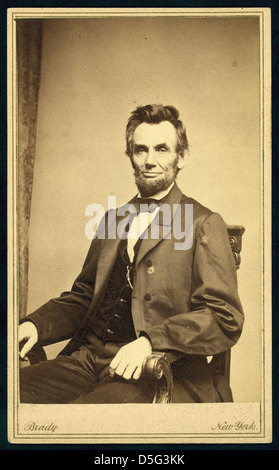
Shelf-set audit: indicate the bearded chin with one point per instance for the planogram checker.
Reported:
(148, 187)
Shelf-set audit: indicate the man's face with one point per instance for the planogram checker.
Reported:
(154, 158)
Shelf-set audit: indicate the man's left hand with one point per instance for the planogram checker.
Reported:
(128, 362)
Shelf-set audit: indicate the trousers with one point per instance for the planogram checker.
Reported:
(83, 377)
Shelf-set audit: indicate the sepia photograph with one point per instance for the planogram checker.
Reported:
(139, 261)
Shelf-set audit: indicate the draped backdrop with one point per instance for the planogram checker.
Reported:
(29, 40)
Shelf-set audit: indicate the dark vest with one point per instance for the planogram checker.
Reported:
(113, 321)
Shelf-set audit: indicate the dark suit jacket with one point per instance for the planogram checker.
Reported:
(187, 302)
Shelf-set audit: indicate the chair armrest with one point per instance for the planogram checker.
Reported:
(156, 368)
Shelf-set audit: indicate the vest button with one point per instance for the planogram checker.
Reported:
(147, 296)
(110, 332)
(149, 263)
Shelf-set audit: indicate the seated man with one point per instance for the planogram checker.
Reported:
(138, 293)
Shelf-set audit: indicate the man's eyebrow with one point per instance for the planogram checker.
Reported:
(145, 147)
(137, 146)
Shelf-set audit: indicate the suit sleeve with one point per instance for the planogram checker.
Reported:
(214, 321)
(60, 317)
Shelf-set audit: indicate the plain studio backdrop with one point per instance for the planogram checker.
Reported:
(94, 73)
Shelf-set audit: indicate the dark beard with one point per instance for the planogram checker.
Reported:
(148, 188)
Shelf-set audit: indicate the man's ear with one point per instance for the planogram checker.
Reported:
(182, 159)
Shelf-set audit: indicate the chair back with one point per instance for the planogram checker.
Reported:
(221, 363)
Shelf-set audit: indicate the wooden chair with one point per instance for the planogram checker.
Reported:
(157, 366)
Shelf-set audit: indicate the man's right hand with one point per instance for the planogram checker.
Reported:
(27, 332)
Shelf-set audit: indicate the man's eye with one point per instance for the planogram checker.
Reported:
(140, 150)
(162, 149)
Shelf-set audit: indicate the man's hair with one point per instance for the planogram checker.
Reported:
(154, 114)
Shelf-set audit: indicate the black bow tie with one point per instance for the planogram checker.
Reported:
(150, 200)
(145, 205)
(142, 200)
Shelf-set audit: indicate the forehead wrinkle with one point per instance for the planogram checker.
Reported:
(163, 133)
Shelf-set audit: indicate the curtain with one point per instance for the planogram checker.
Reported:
(29, 43)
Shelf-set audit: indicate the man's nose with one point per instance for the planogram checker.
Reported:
(151, 159)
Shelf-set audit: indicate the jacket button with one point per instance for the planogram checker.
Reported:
(110, 332)
(147, 297)
(149, 263)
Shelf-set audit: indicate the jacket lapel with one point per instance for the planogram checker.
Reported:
(165, 224)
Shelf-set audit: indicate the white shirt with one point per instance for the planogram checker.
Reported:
(141, 222)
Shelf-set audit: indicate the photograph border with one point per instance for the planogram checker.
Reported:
(265, 409)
